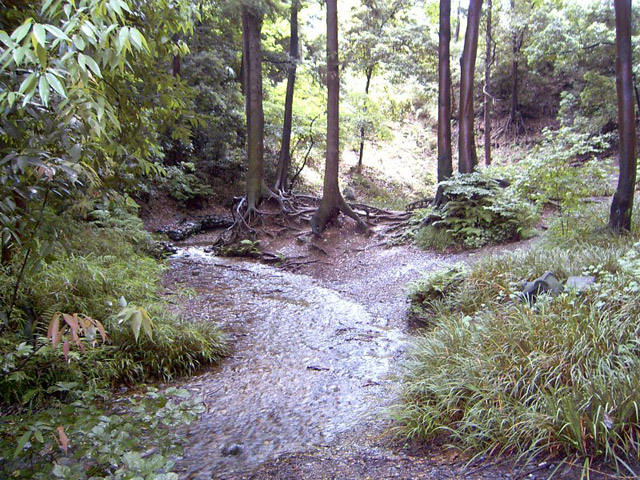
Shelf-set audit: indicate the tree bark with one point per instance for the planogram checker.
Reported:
(362, 129)
(445, 166)
(332, 202)
(457, 35)
(487, 89)
(176, 66)
(252, 63)
(516, 43)
(284, 161)
(468, 158)
(622, 203)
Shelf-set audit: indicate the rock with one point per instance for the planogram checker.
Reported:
(349, 194)
(204, 223)
(211, 222)
(164, 249)
(547, 283)
(232, 449)
(580, 283)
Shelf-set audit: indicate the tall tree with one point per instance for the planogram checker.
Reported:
(445, 167)
(488, 60)
(372, 40)
(252, 69)
(284, 161)
(622, 203)
(468, 158)
(332, 202)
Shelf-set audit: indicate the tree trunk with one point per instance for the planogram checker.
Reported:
(457, 35)
(252, 59)
(445, 166)
(487, 89)
(468, 158)
(284, 161)
(516, 43)
(622, 203)
(362, 129)
(176, 67)
(332, 202)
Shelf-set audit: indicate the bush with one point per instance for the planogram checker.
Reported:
(477, 212)
(499, 375)
(84, 439)
(94, 265)
(183, 184)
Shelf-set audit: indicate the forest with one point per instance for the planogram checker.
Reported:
(298, 239)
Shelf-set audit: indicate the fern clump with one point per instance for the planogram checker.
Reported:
(477, 211)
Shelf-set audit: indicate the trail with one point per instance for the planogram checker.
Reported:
(314, 367)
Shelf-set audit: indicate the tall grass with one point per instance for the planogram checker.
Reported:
(494, 374)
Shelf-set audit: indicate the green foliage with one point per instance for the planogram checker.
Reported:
(550, 172)
(82, 439)
(244, 248)
(498, 375)
(184, 185)
(478, 211)
(94, 266)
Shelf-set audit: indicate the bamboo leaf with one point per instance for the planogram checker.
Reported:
(26, 436)
(136, 323)
(40, 35)
(22, 31)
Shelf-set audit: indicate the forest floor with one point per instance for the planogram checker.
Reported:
(315, 368)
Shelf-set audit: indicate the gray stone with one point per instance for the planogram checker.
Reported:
(580, 283)
(232, 449)
(547, 283)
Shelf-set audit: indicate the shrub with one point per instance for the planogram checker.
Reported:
(184, 185)
(499, 375)
(477, 211)
(94, 265)
(85, 440)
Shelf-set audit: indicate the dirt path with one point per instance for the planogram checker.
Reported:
(316, 352)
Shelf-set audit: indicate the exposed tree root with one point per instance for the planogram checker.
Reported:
(290, 212)
(512, 127)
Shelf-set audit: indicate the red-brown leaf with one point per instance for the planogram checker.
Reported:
(64, 440)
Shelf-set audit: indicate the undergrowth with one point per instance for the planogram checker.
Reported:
(476, 212)
(493, 374)
(95, 265)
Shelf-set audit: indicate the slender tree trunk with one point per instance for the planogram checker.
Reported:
(487, 89)
(362, 129)
(332, 201)
(457, 34)
(468, 158)
(445, 166)
(176, 67)
(516, 43)
(284, 161)
(622, 203)
(252, 59)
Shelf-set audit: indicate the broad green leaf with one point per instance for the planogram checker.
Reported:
(137, 39)
(88, 29)
(56, 84)
(136, 323)
(26, 436)
(22, 31)
(123, 38)
(79, 42)
(91, 63)
(40, 35)
(28, 85)
(56, 32)
(6, 39)
(41, 52)
(147, 324)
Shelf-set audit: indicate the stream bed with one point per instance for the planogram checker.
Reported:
(309, 361)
